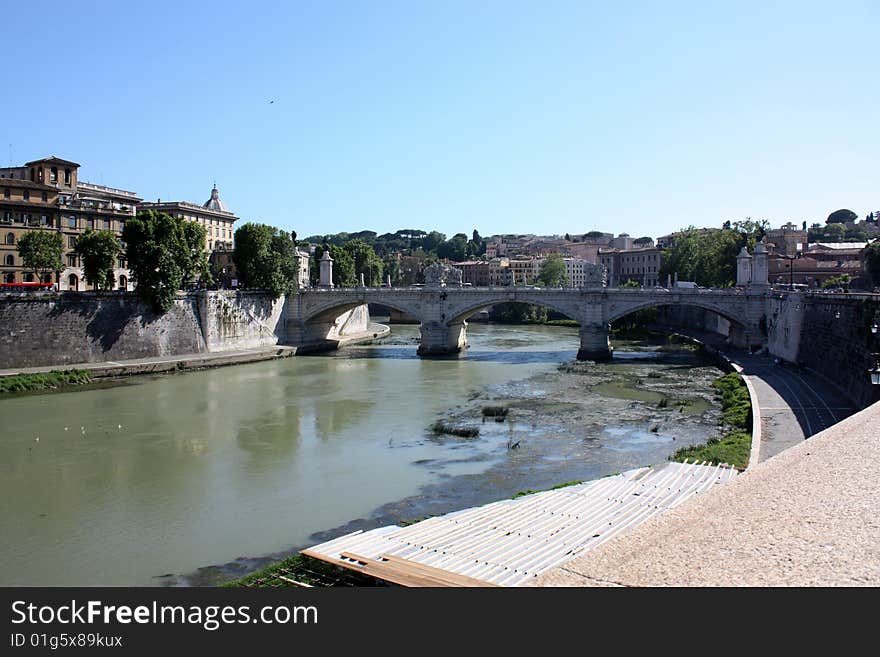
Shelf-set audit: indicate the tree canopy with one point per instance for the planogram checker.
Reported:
(164, 253)
(265, 258)
(365, 262)
(842, 216)
(552, 271)
(99, 250)
(41, 251)
(343, 266)
(706, 256)
(871, 260)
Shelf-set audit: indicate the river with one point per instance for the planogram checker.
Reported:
(157, 479)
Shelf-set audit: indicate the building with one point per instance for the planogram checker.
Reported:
(524, 271)
(46, 194)
(499, 272)
(582, 273)
(213, 214)
(788, 240)
(474, 272)
(639, 265)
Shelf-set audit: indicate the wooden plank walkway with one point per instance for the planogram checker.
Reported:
(510, 542)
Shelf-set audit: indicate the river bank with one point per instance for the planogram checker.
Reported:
(556, 429)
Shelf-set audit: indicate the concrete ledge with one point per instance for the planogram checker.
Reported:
(809, 516)
(165, 363)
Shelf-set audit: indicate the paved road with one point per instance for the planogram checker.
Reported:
(794, 403)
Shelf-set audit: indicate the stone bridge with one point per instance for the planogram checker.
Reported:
(442, 312)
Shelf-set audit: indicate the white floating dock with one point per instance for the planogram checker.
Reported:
(509, 542)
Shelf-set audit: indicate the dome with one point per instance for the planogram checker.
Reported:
(214, 203)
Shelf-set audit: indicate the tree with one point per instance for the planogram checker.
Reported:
(41, 251)
(365, 262)
(164, 253)
(567, 237)
(871, 260)
(552, 273)
(631, 283)
(708, 256)
(455, 249)
(99, 250)
(842, 217)
(432, 240)
(643, 241)
(343, 266)
(265, 258)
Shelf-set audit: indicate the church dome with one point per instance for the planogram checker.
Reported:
(214, 203)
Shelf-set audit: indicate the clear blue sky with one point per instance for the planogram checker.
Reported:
(545, 117)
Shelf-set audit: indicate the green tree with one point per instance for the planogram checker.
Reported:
(265, 258)
(41, 251)
(871, 260)
(552, 273)
(99, 250)
(343, 266)
(643, 241)
(455, 249)
(707, 256)
(842, 217)
(631, 283)
(432, 241)
(365, 262)
(164, 253)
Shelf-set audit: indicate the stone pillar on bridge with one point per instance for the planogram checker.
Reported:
(326, 269)
(595, 342)
(440, 339)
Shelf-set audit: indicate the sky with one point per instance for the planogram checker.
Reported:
(545, 117)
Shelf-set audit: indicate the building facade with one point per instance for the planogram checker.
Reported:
(46, 194)
(639, 265)
(218, 221)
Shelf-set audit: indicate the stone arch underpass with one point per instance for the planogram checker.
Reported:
(442, 312)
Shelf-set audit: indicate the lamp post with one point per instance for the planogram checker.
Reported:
(791, 260)
(874, 372)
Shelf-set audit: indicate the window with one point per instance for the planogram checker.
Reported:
(71, 221)
(45, 197)
(72, 282)
(10, 238)
(120, 263)
(71, 260)
(6, 193)
(53, 175)
(44, 220)
(106, 224)
(10, 277)
(10, 260)
(67, 177)
(28, 278)
(26, 194)
(71, 242)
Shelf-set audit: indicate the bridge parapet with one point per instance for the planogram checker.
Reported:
(442, 312)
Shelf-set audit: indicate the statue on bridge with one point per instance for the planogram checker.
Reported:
(439, 275)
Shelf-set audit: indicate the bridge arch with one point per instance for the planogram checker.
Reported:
(462, 313)
(733, 314)
(331, 309)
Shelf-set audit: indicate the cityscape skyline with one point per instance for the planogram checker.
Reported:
(519, 119)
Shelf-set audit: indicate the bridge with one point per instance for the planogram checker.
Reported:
(442, 312)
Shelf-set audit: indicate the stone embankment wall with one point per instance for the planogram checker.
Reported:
(62, 329)
(241, 320)
(831, 335)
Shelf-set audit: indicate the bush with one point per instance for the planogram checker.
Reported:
(464, 432)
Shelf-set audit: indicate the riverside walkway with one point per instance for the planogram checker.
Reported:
(809, 516)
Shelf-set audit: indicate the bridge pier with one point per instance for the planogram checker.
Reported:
(441, 339)
(595, 342)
